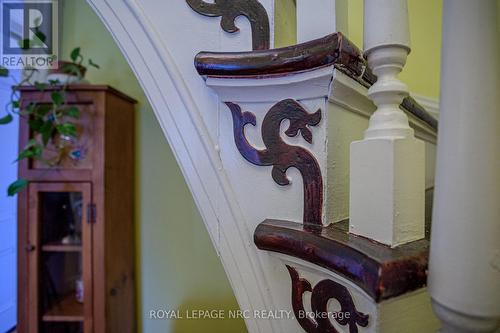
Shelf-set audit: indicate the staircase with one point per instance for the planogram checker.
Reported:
(310, 164)
(317, 89)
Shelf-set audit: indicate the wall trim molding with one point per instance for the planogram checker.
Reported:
(353, 97)
(196, 152)
(303, 85)
(430, 104)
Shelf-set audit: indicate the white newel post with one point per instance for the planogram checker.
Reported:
(464, 279)
(388, 165)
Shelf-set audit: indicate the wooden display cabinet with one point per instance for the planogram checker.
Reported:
(75, 221)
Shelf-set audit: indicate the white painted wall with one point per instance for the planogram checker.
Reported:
(8, 215)
(319, 18)
(160, 40)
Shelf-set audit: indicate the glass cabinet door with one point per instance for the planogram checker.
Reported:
(60, 258)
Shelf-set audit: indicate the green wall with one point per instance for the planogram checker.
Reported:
(177, 266)
(285, 23)
(421, 72)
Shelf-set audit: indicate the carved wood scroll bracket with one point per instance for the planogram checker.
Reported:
(282, 156)
(229, 10)
(320, 319)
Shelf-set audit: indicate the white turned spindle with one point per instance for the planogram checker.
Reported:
(388, 167)
(464, 271)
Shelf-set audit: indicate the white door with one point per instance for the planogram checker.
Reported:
(8, 215)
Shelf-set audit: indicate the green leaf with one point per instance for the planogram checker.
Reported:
(75, 54)
(38, 21)
(47, 135)
(30, 144)
(71, 69)
(24, 43)
(54, 82)
(40, 85)
(93, 64)
(29, 108)
(40, 36)
(15, 104)
(67, 129)
(73, 112)
(4, 71)
(30, 152)
(16, 187)
(42, 110)
(32, 149)
(26, 153)
(57, 98)
(7, 119)
(46, 131)
(35, 124)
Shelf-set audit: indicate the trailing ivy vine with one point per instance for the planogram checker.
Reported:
(52, 124)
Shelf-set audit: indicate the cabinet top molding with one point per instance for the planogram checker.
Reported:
(80, 87)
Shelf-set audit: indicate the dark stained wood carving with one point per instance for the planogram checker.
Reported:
(320, 295)
(382, 272)
(229, 10)
(331, 49)
(334, 49)
(282, 156)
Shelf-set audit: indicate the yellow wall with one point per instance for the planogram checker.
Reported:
(422, 69)
(421, 73)
(285, 23)
(177, 266)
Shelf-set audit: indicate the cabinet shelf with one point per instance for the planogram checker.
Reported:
(66, 310)
(58, 247)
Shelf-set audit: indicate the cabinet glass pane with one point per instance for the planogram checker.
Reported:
(61, 289)
(61, 283)
(61, 218)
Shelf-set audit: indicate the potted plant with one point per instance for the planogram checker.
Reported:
(51, 124)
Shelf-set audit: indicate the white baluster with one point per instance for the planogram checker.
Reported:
(388, 167)
(464, 275)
